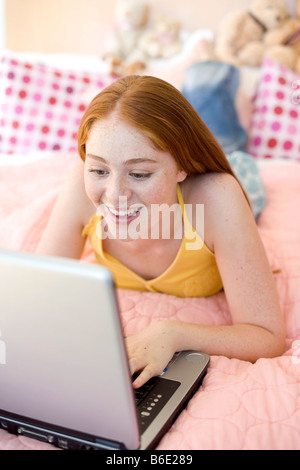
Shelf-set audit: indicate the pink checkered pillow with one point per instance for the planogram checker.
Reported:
(275, 125)
(41, 106)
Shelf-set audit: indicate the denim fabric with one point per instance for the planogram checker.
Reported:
(246, 170)
(211, 88)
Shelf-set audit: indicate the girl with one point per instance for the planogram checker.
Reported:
(143, 146)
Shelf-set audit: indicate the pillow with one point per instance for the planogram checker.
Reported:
(275, 124)
(41, 106)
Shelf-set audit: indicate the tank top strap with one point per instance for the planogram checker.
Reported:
(180, 198)
(193, 240)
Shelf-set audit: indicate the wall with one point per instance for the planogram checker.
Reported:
(79, 25)
(2, 24)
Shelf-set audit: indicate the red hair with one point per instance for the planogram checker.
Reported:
(160, 112)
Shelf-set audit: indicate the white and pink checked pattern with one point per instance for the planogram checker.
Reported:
(275, 123)
(41, 106)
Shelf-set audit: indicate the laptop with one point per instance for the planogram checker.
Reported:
(64, 370)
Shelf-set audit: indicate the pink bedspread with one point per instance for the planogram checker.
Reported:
(239, 405)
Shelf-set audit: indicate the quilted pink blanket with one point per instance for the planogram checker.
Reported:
(239, 405)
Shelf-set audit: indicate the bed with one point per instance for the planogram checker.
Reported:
(239, 405)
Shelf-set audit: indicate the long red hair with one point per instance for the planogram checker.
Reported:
(160, 112)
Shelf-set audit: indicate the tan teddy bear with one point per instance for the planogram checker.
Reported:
(163, 40)
(283, 43)
(240, 38)
(122, 51)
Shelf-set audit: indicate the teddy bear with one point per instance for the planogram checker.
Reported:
(240, 38)
(162, 41)
(122, 52)
(283, 43)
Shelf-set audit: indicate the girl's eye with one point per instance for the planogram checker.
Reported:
(137, 176)
(140, 176)
(97, 172)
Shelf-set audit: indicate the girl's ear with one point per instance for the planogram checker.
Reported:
(181, 175)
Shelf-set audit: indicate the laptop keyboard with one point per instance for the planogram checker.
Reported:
(152, 397)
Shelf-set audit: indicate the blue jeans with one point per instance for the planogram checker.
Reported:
(211, 89)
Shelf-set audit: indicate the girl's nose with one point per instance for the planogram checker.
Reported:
(117, 190)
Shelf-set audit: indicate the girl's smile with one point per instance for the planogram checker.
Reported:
(120, 215)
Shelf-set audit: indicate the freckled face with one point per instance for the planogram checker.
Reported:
(122, 163)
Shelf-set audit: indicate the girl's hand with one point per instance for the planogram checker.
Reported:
(150, 350)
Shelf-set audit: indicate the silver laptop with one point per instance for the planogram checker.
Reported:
(64, 375)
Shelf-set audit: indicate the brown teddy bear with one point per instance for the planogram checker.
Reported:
(283, 43)
(122, 52)
(240, 38)
(163, 40)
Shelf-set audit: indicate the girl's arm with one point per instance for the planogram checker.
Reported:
(257, 328)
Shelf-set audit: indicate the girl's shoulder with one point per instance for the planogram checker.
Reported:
(215, 189)
(71, 212)
(76, 192)
(224, 203)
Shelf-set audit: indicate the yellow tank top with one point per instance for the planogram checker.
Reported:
(193, 273)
